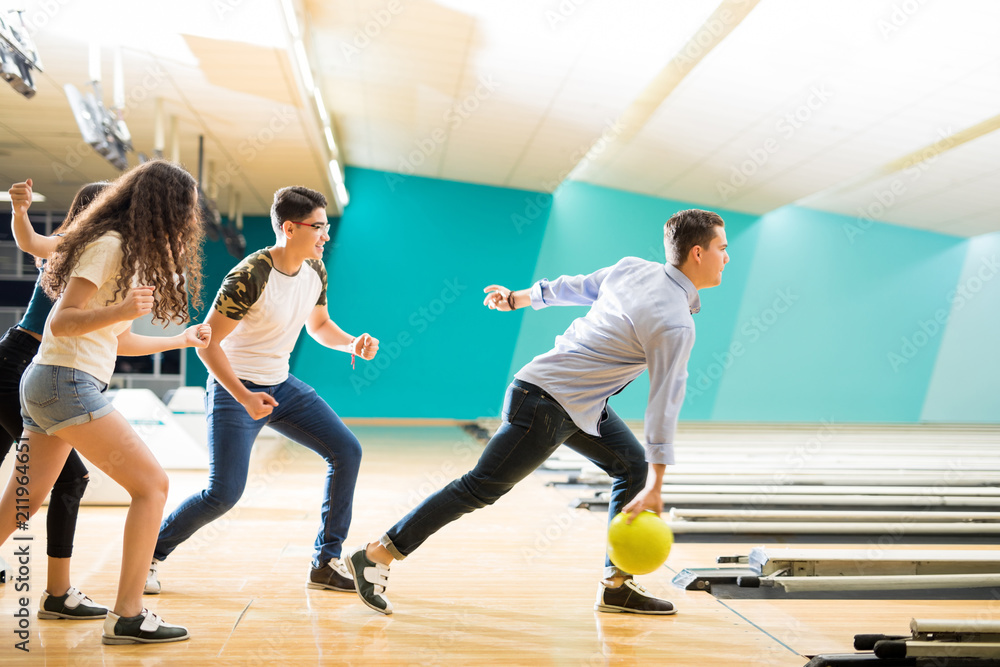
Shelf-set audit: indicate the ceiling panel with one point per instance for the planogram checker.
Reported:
(799, 103)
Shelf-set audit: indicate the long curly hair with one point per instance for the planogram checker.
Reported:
(81, 200)
(154, 208)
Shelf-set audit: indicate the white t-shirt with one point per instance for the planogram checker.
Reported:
(271, 307)
(94, 352)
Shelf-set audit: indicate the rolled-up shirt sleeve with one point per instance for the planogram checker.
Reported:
(667, 355)
(581, 290)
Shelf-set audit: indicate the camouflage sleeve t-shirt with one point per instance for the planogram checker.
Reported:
(271, 308)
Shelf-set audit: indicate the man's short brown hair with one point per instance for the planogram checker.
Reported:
(686, 229)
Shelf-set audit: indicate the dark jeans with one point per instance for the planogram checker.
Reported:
(301, 416)
(17, 348)
(534, 425)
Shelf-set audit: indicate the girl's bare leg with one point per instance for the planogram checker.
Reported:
(112, 445)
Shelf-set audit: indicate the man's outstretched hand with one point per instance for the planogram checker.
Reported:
(648, 499)
(497, 298)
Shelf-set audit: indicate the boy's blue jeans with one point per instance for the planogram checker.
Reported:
(301, 416)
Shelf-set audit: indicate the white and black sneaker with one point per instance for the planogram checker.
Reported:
(74, 606)
(370, 580)
(631, 598)
(152, 579)
(333, 577)
(146, 628)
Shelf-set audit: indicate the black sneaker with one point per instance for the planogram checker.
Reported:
(370, 580)
(74, 606)
(631, 598)
(146, 628)
(333, 577)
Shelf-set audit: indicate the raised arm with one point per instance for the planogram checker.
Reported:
(25, 235)
(581, 290)
(326, 332)
(500, 298)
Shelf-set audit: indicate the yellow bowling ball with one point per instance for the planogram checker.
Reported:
(639, 547)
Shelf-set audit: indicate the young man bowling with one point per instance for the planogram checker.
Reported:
(639, 318)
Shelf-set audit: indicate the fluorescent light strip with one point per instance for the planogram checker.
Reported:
(291, 19)
(304, 69)
(335, 172)
(340, 189)
(321, 107)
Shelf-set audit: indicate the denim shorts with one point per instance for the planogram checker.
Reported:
(54, 397)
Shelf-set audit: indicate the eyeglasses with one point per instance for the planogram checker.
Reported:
(323, 227)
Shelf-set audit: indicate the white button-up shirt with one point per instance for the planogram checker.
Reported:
(639, 318)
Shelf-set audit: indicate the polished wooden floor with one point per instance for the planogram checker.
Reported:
(512, 584)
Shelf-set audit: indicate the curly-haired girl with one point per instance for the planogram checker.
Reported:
(17, 347)
(140, 237)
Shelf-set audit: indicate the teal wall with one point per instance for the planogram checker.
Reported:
(817, 318)
(409, 265)
(963, 386)
(822, 314)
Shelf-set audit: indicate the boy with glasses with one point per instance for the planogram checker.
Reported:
(256, 318)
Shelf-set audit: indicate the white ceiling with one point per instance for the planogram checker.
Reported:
(895, 98)
(224, 72)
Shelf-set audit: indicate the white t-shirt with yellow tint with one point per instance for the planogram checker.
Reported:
(94, 352)
(271, 308)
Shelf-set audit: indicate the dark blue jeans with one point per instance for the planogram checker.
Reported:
(301, 416)
(534, 425)
(17, 348)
